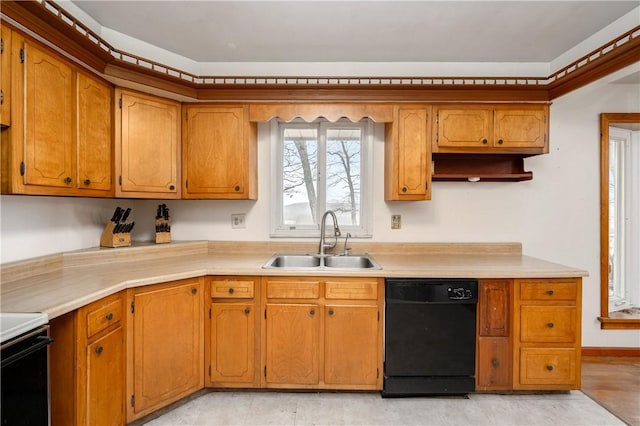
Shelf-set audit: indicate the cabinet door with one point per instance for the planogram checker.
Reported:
(494, 363)
(493, 308)
(105, 380)
(521, 128)
(408, 155)
(94, 137)
(168, 357)
(48, 114)
(5, 79)
(232, 342)
(351, 345)
(147, 142)
(464, 127)
(216, 157)
(292, 341)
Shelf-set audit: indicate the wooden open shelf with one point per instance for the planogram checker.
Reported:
(487, 167)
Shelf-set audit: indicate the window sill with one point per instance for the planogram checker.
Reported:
(616, 321)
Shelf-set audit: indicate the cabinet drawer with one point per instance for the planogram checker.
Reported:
(548, 366)
(548, 290)
(548, 323)
(363, 290)
(101, 318)
(240, 289)
(293, 289)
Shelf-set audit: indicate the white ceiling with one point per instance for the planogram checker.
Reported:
(359, 31)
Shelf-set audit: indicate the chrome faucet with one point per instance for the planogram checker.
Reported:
(336, 232)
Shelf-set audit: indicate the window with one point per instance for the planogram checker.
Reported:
(623, 218)
(321, 166)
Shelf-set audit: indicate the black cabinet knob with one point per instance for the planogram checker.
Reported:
(549, 367)
(495, 363)
(194, 290)
(247, 311)
(550, 292)
(331, 312)
(550, 325)
(109, 316)
(172, 187)
(87, 182)
(67, 180)
(99, 350)
(237, 188)
(312, 312)
(485, 141)
(500, 141)
(231, 290)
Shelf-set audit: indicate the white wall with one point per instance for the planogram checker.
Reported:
(555, 216)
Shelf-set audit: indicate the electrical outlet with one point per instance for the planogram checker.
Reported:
(396, 221)
(238, 221)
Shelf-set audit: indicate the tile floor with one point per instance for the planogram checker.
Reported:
(282, 408)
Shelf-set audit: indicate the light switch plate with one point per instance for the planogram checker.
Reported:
(396, 221)
(238, 221)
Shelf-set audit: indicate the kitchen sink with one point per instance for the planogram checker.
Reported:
(315, 261)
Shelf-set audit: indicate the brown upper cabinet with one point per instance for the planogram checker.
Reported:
(60, 138)
(147, 146)
(491, 128)
(5, 79)
(219, 153)
(407, 157)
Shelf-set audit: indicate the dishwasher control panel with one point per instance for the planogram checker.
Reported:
(460, 293)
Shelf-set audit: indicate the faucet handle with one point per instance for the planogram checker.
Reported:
(346, 249)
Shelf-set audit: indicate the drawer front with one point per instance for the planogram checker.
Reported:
(240, 289)
(101, 318)
(548, 366)
(293, 289)
(548, 324)
(361, 290)
(548, 290)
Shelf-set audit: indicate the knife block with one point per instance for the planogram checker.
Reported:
(109, 239)
(163, 231)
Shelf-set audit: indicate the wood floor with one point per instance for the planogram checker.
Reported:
(614, 382)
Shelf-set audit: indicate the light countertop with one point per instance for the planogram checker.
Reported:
(61, 283)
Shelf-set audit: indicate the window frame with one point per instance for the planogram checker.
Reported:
(277, 228)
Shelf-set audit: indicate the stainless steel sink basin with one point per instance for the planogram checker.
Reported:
(315, 261)
(357, 262)
(294, 261)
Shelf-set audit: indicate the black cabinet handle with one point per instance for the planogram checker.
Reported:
(172, 187)
(194, 290)
(109, 316)
(405, 189)
(485, 141)
(331, 312)
(495, 363)
(231, 290)
(550, 325)
(87, 182)
(247, 311)
(67, 180)
(500, 141)
(550, 367)
(312, 312)
(550, 292)
(237, 188)
(99, 350)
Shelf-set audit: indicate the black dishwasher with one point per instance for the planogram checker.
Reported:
(430, 336)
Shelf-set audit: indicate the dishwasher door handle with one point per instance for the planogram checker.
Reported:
(42, 341)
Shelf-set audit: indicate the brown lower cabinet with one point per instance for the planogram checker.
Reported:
(529, 334)
(165, 344)
(87, 364)
(322, 333)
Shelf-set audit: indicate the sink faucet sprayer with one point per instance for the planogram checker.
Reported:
(336, 232)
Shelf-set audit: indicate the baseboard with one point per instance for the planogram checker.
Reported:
(603, 351)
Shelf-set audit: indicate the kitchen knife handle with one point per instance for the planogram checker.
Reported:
(126, 214)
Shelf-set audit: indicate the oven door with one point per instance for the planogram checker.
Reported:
(25, 378)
